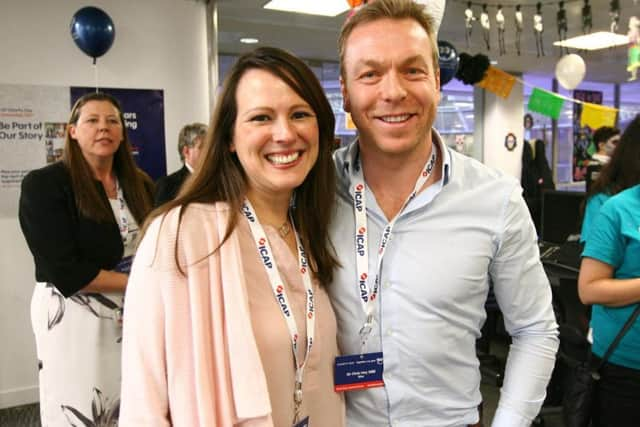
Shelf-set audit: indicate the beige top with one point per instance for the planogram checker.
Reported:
(189, 355)
(323, 406)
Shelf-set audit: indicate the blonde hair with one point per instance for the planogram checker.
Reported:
(389, 9)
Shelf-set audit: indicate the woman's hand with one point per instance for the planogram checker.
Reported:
(107, 281)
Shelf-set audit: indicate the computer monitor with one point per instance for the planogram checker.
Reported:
(561, 215)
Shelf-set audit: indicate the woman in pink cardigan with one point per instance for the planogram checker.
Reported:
(227, 321)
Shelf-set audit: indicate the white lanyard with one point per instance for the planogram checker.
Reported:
(367, 294)
(123, 221)
(280, 293)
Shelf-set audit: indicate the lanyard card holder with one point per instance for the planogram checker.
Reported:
(358, 371)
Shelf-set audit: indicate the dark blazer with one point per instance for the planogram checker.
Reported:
(168, 186)
(68, 249)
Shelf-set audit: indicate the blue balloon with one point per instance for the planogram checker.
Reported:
(93, 31)
(448, 58)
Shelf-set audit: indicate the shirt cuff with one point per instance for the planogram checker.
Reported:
(508, 418)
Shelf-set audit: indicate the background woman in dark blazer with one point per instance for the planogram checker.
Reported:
(80, 218)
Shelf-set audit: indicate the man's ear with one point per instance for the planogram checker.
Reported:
(439, 91)
(346, 105)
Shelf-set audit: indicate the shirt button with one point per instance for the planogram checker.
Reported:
(389, 332)
(386, 285)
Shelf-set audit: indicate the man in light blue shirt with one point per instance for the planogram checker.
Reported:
(421, 232)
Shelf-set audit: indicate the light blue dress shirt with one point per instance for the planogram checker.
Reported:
(615, 240)
(447, 244)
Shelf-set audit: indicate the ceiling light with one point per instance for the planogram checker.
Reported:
(311, 7)
(249, 40)
(594, 41)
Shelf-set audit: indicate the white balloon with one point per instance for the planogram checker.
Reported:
(570, 71)
(435, 8)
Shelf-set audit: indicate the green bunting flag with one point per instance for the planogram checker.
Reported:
(545, 103)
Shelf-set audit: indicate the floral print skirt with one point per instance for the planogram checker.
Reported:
(78, 347)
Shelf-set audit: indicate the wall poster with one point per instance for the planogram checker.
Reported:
(32, 131)
(582, 135)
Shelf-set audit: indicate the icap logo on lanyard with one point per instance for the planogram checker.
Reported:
(280, 293)
(360, 241)
(365, 370)
(264, 252)
(368, 295)
(357, 197)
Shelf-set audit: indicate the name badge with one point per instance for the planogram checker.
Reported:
(303, 423)
(358, 371)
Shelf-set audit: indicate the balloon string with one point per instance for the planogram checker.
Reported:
(95, 69)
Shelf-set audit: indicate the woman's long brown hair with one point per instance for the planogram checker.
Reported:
(219, 176)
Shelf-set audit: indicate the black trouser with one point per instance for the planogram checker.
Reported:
(618, 396)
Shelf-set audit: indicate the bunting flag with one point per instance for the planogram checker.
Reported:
(498, 82)
(541, 101)
(595, 116)
(348, 122)
(545, 103)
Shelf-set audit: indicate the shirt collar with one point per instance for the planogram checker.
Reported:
(188, 166)
(348, 156)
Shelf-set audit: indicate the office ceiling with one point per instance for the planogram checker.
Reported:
(314, 37)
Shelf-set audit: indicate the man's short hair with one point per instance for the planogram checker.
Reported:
(389, 9)
(602, 134)
(189, 134)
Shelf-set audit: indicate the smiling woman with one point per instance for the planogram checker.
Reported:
(275, 137)
(242, 248)
(98, 132)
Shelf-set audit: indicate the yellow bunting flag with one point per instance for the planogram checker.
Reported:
(595, 116)
(348, 122)
(498, 82)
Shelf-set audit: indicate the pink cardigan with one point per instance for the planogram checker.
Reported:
(189, 355)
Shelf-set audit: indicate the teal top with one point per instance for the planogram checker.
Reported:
(594, 204)
(615, 240)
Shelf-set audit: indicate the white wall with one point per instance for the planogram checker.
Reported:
(159, 44)
(502, 116)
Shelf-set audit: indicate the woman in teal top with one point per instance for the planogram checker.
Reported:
(610, 280)
(620, 173)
